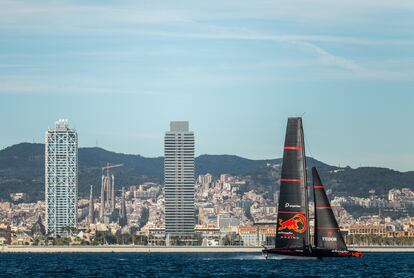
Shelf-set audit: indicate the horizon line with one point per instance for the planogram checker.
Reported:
(235, 155)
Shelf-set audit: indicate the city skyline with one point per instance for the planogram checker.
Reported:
(300, 143)
(237, 71)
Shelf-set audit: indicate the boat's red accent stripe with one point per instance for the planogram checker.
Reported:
(291, 212)
(291, 180)
(293, 148)
(318, 186)
(324, 207)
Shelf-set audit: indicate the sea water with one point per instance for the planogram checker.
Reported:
(201, 265)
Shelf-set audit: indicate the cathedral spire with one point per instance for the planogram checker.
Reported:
(91, 218)
(122, 215)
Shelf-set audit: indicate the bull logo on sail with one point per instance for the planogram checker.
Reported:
(297, 223)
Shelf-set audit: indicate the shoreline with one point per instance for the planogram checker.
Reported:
(127, 249)
(163, 249)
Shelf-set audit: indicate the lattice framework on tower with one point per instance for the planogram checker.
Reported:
(61, 179)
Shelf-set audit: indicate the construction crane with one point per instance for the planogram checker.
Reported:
(110, 166)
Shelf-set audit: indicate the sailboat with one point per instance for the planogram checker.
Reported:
(292, 230)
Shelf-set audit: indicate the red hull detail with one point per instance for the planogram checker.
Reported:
(291, 180)
(293, 148)
(316, 253)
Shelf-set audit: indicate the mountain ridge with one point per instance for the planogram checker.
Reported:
(22, 170)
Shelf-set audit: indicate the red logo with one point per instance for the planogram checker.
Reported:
(330, 234)
(297, 224)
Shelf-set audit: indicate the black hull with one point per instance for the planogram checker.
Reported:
(315, 253)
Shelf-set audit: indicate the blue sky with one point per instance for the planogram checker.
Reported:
(120, 71)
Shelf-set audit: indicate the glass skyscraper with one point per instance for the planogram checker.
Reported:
(61, 178)
(179, 179)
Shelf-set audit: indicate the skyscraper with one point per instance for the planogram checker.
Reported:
(61, 178)
(179, 179)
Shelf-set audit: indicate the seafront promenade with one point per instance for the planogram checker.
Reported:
(160, 249)
(126, 249)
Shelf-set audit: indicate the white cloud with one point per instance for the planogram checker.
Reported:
(15, 66)
(58, 16)
(49, 16)
(196, 21)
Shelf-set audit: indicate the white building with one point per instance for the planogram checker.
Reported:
(227, 221)
(225, 178)
(394, 194)
(179, 179)
(61, 178)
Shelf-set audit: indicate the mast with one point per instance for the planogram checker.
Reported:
(327, 232)
(307, 241)
(292, 230)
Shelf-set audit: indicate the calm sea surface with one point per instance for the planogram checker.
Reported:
(201, 265)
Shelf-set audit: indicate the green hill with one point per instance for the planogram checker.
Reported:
(22, 170)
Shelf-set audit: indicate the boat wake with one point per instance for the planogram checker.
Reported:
(253, 257)
(236, 257)
(291, 258)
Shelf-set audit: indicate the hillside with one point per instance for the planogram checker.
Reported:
(22, 170)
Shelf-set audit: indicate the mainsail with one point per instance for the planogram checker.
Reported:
(292, 224)
(327, 232)
(292, 230)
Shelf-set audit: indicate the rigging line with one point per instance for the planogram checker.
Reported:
(308, 147)
(307, 143)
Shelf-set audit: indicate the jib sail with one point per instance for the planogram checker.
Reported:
(292, 221)
(327, 232)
